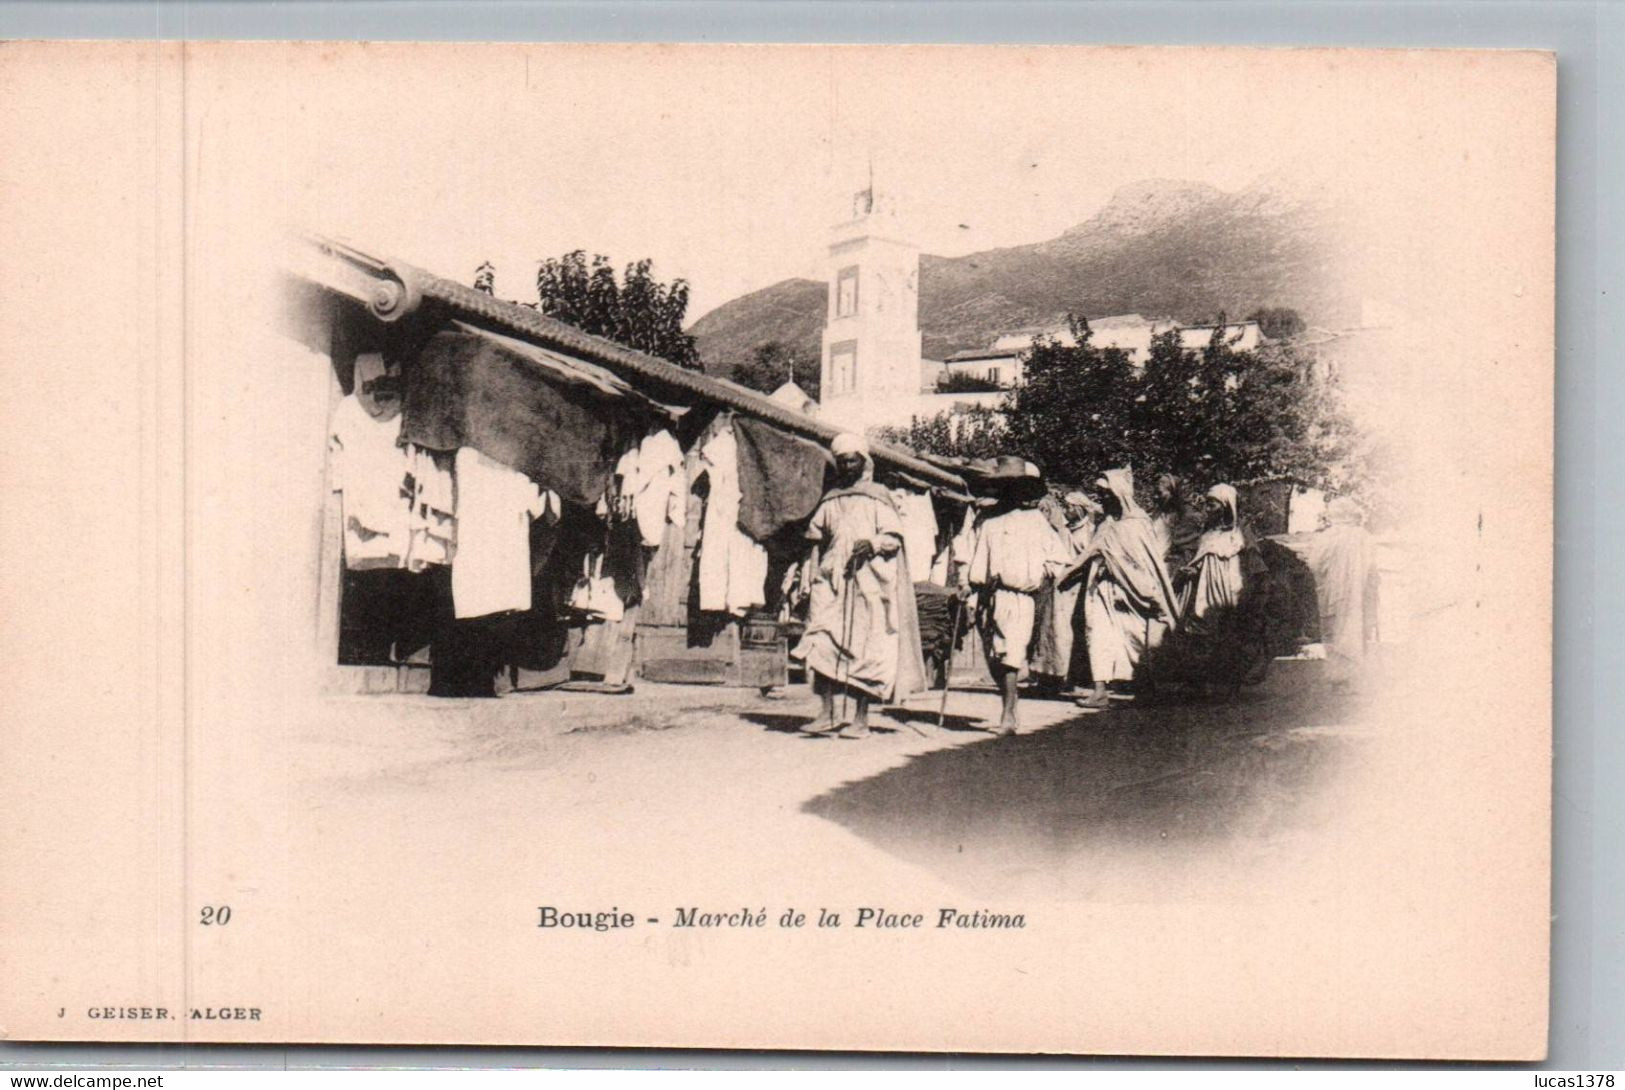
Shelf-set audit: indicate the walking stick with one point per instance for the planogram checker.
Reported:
(849, 609)
(948, 663)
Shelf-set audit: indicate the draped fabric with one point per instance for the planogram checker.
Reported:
(1128, 551)
(919, 518)
(781, 477)
(370, 469)
(1060, 614)
(1129, 600)
(1341, 557)
(1217, 566)
(732, 568)
(1116, 633)
(560, 423)
(863, 626)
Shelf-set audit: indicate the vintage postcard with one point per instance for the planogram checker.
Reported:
(867, 548)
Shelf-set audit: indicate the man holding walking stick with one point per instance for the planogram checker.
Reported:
(862, 640)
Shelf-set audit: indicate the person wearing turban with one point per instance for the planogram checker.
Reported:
(863, 632)
(1082, 516)
(1128, 598)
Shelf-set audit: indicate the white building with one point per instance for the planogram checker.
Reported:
(1000, 362)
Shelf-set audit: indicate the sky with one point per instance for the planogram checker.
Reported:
(728, 166)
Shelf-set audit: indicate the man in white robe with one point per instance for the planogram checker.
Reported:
(862, 640)
(1016, 549)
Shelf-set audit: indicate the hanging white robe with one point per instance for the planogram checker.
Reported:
(732, 567)
(370, 470)
(495, 504)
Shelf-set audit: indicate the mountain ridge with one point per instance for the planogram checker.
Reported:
(1159, 247)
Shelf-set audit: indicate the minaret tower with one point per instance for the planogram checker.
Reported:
(872, 330)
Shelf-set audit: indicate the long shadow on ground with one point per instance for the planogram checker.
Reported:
(1174, 782)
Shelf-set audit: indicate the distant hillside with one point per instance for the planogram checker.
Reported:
(791, 311)
(1159, 248)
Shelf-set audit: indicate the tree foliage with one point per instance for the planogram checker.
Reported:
(976, 431)
(1208, 414)
(635, 309)
(1277, 323)
(958, 382)
(773, 364)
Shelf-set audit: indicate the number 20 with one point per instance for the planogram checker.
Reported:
(212, 915)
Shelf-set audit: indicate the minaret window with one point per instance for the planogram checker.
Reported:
(846, 292)
(843, 367)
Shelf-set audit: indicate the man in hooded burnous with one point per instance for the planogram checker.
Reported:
(1215, 575)
(1128, 599)
(1016, 548)
(862, 641)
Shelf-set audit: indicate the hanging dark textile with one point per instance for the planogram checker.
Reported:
(1264, 505)
(781, 477)
(561, 423)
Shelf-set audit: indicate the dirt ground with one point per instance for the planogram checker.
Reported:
(1183, 798)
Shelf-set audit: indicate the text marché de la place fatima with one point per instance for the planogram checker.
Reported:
(789, 919)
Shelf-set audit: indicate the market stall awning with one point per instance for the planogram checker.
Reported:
(391, 292)
(560, 421)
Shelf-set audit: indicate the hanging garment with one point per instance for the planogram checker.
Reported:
(644, 487)
(623, 483)
(491, 571)
(562, 422)
(594, 594)
(432, 520)
(919, 520)
(1342, 557)
(650, 482)
(732, 567)
(781, 477)
(370, 469)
